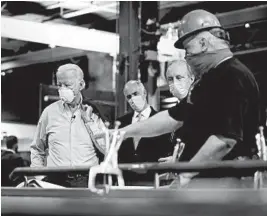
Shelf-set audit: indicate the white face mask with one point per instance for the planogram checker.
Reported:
(138, 103)
(66, 95)
(178, 91)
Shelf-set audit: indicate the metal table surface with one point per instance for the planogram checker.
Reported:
(81, 202)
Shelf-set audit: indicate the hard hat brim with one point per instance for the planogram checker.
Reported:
(179, 43)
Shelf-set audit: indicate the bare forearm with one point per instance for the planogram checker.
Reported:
(215, 148)
(158, 124)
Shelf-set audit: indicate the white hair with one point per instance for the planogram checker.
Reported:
(73, 67)
(138, 83)
(179, 62)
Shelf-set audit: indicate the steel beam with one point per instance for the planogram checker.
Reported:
(132, 202)
(151, 84)
(60, 35)
(234, 18)
(129, 50)
(42, 56)
(240, 17)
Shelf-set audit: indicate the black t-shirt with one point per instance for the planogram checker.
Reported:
(224, 102)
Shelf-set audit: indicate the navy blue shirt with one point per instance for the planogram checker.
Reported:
(224, 102)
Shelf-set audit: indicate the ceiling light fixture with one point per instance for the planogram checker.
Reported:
(247, 25)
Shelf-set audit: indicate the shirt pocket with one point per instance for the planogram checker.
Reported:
(58, 133)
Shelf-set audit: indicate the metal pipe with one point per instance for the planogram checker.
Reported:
(173, 167)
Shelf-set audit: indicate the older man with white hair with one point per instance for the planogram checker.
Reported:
(68, 129)
(179, 78)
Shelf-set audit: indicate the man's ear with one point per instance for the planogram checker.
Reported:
(204, 44)
(192, 79)
(82, 85)
(145, 94)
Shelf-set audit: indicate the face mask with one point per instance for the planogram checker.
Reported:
(66, 95)
(203, 62)
(138, 103)
(178, 91)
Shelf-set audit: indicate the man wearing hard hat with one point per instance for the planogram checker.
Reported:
(220, 116)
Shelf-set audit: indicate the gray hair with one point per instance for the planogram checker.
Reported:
(138, 83)
(180, 61)
(73, 67)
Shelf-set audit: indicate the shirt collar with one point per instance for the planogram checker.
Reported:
(9, 150)
(145, 113)
(223, 60)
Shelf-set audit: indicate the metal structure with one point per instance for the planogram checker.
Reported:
(259, 176)
(29, 201)
(129, 50)
(124, 200)
(143, 201)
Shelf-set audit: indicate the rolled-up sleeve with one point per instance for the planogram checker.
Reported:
(39, 144)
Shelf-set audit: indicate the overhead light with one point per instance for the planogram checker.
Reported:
(51, 98)
(92, 9)
(247, 25)
(6, 72)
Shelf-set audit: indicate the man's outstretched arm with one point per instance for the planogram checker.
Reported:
(215, 148)
(156, 125)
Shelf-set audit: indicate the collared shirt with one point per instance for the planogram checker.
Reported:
(136, 117)
(144, 115)
(224, 60)
(63, 135)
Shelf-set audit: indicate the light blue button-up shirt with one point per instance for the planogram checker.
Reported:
(63, 135)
